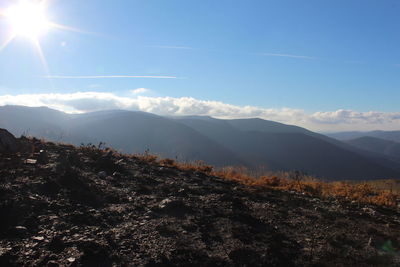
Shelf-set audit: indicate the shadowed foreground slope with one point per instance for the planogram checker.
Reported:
(87, 207)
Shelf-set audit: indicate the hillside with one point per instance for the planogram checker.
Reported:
(130, 132)
(386, 135)
(386, 147)
(283, 147)
(253, 143)
(83, 206)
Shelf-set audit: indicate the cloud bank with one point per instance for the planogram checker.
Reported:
(80, 102)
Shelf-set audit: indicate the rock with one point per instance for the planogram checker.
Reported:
(102, 174)
(38, 238)
(56, 244)
(52, 264)
(369, 211)
(43, 158)
(174, 207)
(8, 143)
(22, 229)
(31, 161)
(164, 203)
(18, 231)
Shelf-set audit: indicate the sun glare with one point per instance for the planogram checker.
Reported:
(27, 19)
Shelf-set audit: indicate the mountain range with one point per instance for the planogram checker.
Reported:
(381, 142)
(385, 135)
(252, 143)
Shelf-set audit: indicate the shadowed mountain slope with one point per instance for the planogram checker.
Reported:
(253, 143)
(377, 145)
(131, 132)
(285, 147)
(386, 135)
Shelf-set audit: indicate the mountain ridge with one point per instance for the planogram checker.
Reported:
(215, 141)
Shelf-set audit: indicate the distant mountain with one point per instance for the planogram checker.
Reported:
(386, 135)
(377, 145)
(131, 132)
(252, 143)
(275, 127)
(283, 147)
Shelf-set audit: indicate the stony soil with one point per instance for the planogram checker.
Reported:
(86, 207)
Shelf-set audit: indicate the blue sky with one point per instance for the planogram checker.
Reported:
(311, 55)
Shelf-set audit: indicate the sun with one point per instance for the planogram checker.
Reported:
(27, 19)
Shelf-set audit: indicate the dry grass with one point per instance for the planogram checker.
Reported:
(380, 192)
(198, 166)
(362, 192)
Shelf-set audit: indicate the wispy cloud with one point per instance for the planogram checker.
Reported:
(285, 55)
(338, 120)
(171, 47)
(139, 91)
(107, 77)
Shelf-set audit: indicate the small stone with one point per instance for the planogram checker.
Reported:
(71, 259)
(369, 211)
(52, 264)
(21, 229)
(43, 157)
(102, 174)
(318, 209)
(18, 231)
(38, 238)
(164, 203)
(30, 161)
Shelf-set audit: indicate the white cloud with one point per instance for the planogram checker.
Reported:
(320, 121)
(139, 91)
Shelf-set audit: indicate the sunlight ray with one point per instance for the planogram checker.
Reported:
(41, 55)
(7, 41)
(72, 29)
(27, 19)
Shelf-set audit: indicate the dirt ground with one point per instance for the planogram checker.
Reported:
(68, 206)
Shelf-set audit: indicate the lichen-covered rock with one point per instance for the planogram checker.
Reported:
(8, 143)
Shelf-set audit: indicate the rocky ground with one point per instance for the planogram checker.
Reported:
(68, 206)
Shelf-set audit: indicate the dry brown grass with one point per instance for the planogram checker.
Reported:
(380, 192)
(362, 192)
(200, 167)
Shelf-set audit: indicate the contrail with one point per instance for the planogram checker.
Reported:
(107, 77)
